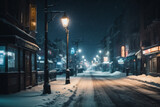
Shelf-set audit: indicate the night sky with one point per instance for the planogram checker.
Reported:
(89, 21)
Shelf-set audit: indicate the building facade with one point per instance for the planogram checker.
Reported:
(17, 45)
(150, 36)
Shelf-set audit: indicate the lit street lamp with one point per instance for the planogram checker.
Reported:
(101, 58)
(100, 51)
(79, 50)
(82, 57)
(65, 22)
(46, 86)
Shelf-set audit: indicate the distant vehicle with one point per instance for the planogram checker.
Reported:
(59, 71)
(80, 70)
(71, 71)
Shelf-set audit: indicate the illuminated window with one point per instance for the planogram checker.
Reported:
(32, 17)
(12, 59)
(2, 59)
(123, 51)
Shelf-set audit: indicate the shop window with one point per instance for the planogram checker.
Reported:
(2, 59)
(12, 60)
(33, 62)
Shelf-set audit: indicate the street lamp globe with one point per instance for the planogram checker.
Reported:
(79, 50)
(65, 21)
(97, 56)
(100, 51)
(83, 57)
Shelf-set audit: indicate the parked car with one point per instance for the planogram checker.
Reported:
(59, 71)
(80, 70)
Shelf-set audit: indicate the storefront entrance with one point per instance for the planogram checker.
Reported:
(158, 64)
(27, 69)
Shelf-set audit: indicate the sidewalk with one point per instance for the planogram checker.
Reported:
(34, 98)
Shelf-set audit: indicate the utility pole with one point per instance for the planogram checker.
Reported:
(76, 43)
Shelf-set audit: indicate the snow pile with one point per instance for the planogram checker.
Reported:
(147, 79)
(108, 74)
(115, 73)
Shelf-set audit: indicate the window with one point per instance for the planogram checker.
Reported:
(33, 62)
(32, 17)
(2, 59)
(12, 60)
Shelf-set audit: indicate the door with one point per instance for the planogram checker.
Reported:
(27, 69)
(158, 64)
(154, 65)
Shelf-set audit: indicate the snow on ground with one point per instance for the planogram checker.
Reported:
(80, 89)
(108, 74)
(146, 79)
(34, 97)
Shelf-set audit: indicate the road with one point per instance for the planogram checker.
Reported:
(108, 91)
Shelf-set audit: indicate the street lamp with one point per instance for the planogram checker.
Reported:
(100, 51)
(79, 50)
(82, 57)
(65, 22)
(46, 86)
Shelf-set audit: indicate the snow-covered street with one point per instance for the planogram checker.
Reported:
(91, 89)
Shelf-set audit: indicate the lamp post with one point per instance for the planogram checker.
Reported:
(46, 86)
(101, 59)
(65, 22)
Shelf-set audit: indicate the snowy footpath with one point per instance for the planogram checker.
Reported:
(33, 97)
(86, 90)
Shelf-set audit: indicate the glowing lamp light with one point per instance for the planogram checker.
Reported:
(79, 50)
(39, 58)
(83, 57)
(65, 21)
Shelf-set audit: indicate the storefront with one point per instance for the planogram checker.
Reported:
(17, 59)
(152, 59)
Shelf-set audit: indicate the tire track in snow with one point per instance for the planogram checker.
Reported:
(71, 98)
(138, 98)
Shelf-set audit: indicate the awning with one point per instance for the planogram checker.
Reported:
(11, 34)
(131, 54)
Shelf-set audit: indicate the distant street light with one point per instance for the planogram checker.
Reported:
(65, 22)
(39, 58)
(97, 56)
(101, 58)
(79, 50)
(83, 57)
(100, 51)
